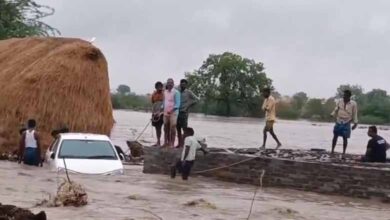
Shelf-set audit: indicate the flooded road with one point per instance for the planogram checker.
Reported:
(144, 196)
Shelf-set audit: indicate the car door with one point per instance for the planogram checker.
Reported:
(52, 151)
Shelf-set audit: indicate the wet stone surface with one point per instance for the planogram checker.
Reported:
(309, 170)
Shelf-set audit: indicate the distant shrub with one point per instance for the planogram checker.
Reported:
(374, 120)
(288, 114)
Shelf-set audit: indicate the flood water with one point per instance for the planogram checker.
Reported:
(144, 196)
(246, 132)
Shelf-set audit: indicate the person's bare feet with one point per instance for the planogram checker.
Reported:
(278, 146)
(156, 145)
(262, 147)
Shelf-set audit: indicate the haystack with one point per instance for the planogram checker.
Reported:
(57, 81)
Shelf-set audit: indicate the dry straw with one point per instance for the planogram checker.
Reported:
(56, 81)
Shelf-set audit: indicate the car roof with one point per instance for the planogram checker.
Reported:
(84, 136)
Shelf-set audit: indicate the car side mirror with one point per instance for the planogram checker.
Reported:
(52, 155)
(120, 152)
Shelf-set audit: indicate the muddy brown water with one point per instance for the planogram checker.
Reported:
(143, 196)
(246, 132)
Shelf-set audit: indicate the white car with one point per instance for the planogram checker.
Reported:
(84, 153)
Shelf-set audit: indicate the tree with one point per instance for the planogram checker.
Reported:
(123, 90)
(355, 89)
(299, 100)
(230, 82)
(285, 110)
(116, 102)
(329, 107)
(377, 107)
(357, 93)
(276, 95)
(22, 18)
(314, 109)
(377, 95)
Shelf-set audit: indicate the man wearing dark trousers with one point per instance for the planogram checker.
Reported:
(191, 145)
(187, 99)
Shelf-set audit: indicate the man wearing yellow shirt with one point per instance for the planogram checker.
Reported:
(345, 113)
(269, 106)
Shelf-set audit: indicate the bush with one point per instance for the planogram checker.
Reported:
(130, 101)
(288, 113)
(373, 120)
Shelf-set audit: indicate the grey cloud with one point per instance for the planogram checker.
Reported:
(305, 45)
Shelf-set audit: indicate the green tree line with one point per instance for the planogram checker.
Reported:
(123, 98)
(374, 106)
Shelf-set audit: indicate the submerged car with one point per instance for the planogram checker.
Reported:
(84, 153)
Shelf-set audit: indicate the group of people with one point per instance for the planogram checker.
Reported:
(170, 109)
(346, 117)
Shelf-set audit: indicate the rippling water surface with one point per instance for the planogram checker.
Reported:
(144, 196)
(245, 132)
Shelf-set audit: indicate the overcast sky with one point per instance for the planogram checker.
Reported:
(305, 45)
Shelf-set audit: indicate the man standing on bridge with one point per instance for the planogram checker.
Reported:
(188, 99)
(171, 105)
(346, 112)
(269, 106)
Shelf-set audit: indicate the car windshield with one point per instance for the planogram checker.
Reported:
(87, 149)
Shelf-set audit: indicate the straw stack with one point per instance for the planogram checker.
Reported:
(56, 81)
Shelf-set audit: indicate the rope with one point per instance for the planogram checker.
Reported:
(254, 195)
(142, 132)
(261, 178)
(227, 166)
(66, 170)
(233, 164)
(150, 212)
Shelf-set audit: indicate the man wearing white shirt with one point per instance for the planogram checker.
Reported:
(345, 113)
(188, 155)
